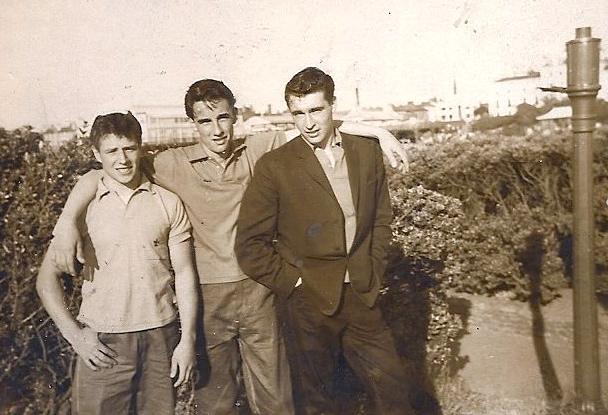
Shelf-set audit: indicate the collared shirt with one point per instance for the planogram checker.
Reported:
(128, 274)
(212, 193)
(334, 165)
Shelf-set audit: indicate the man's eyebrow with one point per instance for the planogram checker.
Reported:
(297, 112)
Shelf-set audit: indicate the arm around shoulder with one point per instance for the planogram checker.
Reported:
(390, 145)
(67, 246)
(79, 198)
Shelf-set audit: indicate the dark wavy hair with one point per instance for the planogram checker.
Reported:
(119, 124)
(308, 81)
(207, 90)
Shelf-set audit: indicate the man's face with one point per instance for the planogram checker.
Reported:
(312, 115)
(119, 157)
(214, 122)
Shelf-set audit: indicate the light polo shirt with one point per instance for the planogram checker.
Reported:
(128, 273)
(212, 194)
(334, 165)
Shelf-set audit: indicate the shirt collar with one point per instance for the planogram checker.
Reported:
(336, 141)
(197, 152)
(103, 189)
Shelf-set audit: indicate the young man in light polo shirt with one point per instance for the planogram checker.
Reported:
(126, 334)
(239, 316)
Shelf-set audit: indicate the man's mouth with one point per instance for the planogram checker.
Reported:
(125, 169)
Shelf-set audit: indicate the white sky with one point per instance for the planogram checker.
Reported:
(62, 60)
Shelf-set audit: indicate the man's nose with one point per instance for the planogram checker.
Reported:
(122, 156)
(217, 130)
(310, 122)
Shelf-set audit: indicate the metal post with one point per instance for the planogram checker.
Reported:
(583, 85)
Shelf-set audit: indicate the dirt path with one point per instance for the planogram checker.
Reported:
(520, 353)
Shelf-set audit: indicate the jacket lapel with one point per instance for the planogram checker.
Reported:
(353, 164)
(349, 144)
(311, 166)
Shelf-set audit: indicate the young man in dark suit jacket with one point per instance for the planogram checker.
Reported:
(314, 227)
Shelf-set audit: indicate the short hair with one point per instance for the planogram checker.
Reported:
(308, 81)
(119, 124)
(207, 90)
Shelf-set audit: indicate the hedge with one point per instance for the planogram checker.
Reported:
(485, 215)
(516, 197)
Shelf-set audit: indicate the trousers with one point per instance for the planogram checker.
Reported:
(362, 336)
(243, 339)
(140, 381)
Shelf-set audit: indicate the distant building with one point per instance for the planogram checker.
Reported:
(451, 109)
(57, 136)
(282, 121)
(414, 112)
(556, 113)
(511, 91)
(383, 117)
(268, 122)
(168, 124)
(256, 124)
(164, 124)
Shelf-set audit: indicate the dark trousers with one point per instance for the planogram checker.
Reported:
(358, 332)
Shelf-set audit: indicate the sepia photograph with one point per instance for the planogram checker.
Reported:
(304, 207)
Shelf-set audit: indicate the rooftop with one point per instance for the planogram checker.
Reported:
(529, 75)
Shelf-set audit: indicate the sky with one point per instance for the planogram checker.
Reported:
(66, 60)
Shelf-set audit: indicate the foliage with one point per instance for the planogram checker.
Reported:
(426, 229)
(516, 201)
(487, 215)
(36, 361)
(35, 179)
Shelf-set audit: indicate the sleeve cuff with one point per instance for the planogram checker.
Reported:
(287, 281)
(179, 238)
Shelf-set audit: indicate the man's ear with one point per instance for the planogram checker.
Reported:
(96, 154)
(333, 104)
(235, 114)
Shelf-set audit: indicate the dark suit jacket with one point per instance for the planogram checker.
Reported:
(291, 225)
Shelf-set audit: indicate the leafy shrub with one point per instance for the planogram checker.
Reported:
(426, 231)
(513, 190)
(35, 179)
(36, 361)
(487, 215)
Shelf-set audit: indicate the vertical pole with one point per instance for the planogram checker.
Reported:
(583, 85)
